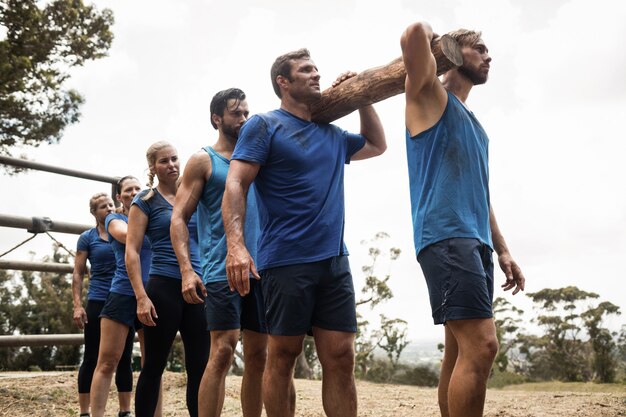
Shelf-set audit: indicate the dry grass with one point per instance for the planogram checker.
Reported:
(54, 394)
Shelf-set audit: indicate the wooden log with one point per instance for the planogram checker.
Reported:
(376, 84)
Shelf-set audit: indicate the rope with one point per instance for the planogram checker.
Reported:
(61, 245)
(18, 245)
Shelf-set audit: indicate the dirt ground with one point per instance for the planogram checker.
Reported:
(53, 394)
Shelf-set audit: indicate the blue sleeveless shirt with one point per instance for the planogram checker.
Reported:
(449, 178)
(211, 236)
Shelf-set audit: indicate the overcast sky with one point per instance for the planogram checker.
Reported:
(553, 108)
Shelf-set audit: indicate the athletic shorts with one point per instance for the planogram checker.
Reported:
(459, 276)
(298, 297)
(121, 308)
(227, 310)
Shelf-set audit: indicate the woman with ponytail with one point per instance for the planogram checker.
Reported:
(160, 306)
(93, 245)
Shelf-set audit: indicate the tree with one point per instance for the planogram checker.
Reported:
(507, 321)
(561, 353)
(40, 303)
(604, 347)
(43, 41)
(391, 337)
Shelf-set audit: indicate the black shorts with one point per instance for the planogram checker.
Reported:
(459, 275)
(298, 297)
(121, 308)
(227, 310)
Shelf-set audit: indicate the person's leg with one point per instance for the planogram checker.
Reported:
(450, 354)
(197, 344)
(112, 342)
(477, 348)
(279, 395)
(335, 351)
(90, 357)
(157, 342)
(254, 356)
(142, 347)
(124, 374)
(212, 386)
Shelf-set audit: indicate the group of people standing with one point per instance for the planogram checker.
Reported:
(250, 242)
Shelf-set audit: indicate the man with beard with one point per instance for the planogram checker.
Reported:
(455, 229)
(297, 166)
(227, 312)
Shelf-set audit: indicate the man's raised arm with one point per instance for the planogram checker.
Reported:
(425, 96)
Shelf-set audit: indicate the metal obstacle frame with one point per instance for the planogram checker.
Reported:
(41, 225)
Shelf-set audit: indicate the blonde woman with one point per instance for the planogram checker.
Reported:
(161, 307)
(118, 317)
(93, 246)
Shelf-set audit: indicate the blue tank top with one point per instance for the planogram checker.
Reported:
(210, 225)
(101, 263)
(449, 178)
(159, 212)
(121, 282)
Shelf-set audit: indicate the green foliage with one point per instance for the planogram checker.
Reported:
(38, 303)
(507, 321)
(391, 337)
(43, 41)
(574, 345)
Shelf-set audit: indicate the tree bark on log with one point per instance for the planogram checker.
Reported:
(376, 84)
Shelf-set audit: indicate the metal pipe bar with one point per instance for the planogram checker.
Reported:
(42, 224)
(23, 163)
(37, 266)
(48, 340)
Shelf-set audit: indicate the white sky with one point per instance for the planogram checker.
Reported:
(552, 109)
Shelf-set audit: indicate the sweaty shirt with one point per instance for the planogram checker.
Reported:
(101, 263)
(449, 178)
(159, 212)
(299, 186)
(121, 282)
(212, 238)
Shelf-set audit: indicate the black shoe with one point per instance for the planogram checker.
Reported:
(124, 414)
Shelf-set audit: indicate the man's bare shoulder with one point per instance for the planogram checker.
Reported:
(198, 166)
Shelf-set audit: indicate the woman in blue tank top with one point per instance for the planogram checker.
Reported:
(93, 246)
(118, 316)
(160, 306)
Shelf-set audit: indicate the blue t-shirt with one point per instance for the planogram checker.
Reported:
(299, 186)
(121, 282)
(210, 225)
(101, 261)
(449, 178)
(159, 213)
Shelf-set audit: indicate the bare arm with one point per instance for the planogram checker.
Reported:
(512, 271)
(372, 130)
(137, 224)
(371, 127)
(425, 96)
(189, 192)
(239, 263)
(80, 268)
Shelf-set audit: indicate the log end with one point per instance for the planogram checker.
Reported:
(451, 49)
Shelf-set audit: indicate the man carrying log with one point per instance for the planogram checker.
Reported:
(297, 166)
(455, 229)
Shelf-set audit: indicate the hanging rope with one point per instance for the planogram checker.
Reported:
(61, 245)
(18, 245)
